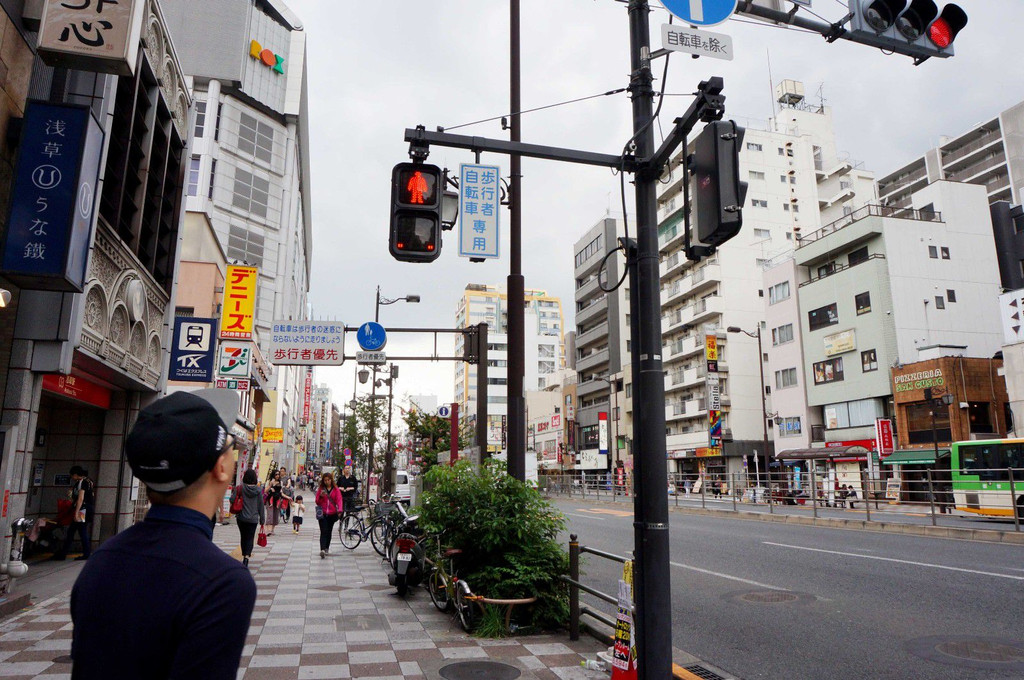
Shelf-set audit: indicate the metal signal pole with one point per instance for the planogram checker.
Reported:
(516, 284)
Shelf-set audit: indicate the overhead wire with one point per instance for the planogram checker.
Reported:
(539, 108)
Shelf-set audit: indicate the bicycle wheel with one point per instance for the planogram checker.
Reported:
(469, 615)
(379, 536)
(438, 588)
(350, 531)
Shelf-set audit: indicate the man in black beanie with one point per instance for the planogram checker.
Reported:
(160, 600)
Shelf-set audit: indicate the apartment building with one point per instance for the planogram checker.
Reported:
(797, 180)
(601, 343)
(990, 154)
(545, 351)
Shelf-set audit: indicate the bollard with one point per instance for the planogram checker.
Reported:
(1017, 509)
(864, 486)
(574, 592)
(814, 489)
(703, 490)
(931, 496)
(732, 488)
(771, 499)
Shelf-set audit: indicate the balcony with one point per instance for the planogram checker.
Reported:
(598, 333)
(592, 361)
(675, 205)
(702, 310)
(984, 142)
(591, 387)
(684, 347)
(675, 264)
(986, 164)
(592, 311)
(588, 290)
(674, 292)
(672, 238)
(839, 267)
(862, 213)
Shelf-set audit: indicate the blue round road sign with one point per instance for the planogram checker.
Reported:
(701, 12)
(371, 336)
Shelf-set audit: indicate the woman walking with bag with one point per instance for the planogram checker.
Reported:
(251, 511)
(328, 510)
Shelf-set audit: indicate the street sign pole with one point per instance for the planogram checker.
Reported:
(653, 594)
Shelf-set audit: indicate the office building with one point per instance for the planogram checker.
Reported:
(249, 163)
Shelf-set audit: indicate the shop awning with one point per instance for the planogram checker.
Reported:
(914, 457)
(822, 453)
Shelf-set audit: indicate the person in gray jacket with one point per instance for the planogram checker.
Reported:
(252, 511)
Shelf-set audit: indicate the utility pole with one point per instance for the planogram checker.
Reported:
(653, 595)
(516, 284)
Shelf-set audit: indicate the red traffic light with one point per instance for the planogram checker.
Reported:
(943, 30)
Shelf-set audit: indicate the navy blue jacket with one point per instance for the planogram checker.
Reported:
(160, 600)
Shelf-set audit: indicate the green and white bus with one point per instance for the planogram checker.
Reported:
(982, 477)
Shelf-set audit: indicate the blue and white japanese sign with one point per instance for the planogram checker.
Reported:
(701, 12)
(53, 198)
(479, 205)
(307, 343)
(193, 349)
(371, 336)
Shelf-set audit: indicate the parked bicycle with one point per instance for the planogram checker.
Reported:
(354, 528)
(448, 591)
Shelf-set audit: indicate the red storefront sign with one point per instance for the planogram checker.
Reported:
(307, 395)
(868, 444)
(77, 388)
(883, 434)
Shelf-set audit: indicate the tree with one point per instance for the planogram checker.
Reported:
(430, 434)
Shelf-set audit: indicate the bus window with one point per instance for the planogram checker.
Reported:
(1012, 456)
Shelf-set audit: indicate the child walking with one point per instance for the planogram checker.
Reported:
(298, 510)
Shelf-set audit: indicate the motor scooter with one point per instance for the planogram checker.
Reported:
(407, 556)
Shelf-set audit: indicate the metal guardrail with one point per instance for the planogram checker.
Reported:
(911, 492)
(576, 610)
(868, 211)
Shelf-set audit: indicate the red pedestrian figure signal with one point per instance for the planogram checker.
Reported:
(416, 187)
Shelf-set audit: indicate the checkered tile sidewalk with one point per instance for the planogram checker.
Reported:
(330, 618)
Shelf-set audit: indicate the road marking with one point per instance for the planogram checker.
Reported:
(725, 576)
(893, 559)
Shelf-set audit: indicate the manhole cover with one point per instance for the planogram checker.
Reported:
(485, 670)
(980, 650)
(769, 597)
(970, 652)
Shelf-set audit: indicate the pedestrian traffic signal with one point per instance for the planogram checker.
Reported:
(416, 191)
(718, 191)
(916, 28)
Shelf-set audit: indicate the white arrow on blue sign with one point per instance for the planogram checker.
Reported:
(371, 336)
(701, 12)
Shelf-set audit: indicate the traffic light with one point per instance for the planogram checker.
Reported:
(416, 191)
(718, 191)
(916, 28)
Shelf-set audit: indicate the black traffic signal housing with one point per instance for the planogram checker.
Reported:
(916, 28)
(718, 192)
(416, 190)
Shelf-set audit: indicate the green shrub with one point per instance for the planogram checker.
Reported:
(508, 534)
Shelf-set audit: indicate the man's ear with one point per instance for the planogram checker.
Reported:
(222, 470)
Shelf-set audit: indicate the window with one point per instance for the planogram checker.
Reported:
(245, 246)
(845, 184)
(789, 153)
(940, 302)
(251, 193)
(758, 203)
(200, 118)
(862, 302)
(945, 252)
(858, 256)
(828, 371)
(782, 178)
(778, 292)
(762, 234)
(826, 270)
(761, 263)
(216, 127)
(785, 378)
(213, 174)
(588, 251)
(193, 175)
(789, 427)
(782, 334)
(847, 210)
(933, 252)
(754, 147)
(858, 413)
(951, 295)
(754, 174)
(255, 138)
(869, 360)
(782, 152)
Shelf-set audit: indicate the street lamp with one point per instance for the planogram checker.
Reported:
(373, 391)
(764, 400)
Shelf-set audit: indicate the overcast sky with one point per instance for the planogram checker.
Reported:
(376, 68)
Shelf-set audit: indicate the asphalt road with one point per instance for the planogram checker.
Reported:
(854, 604)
